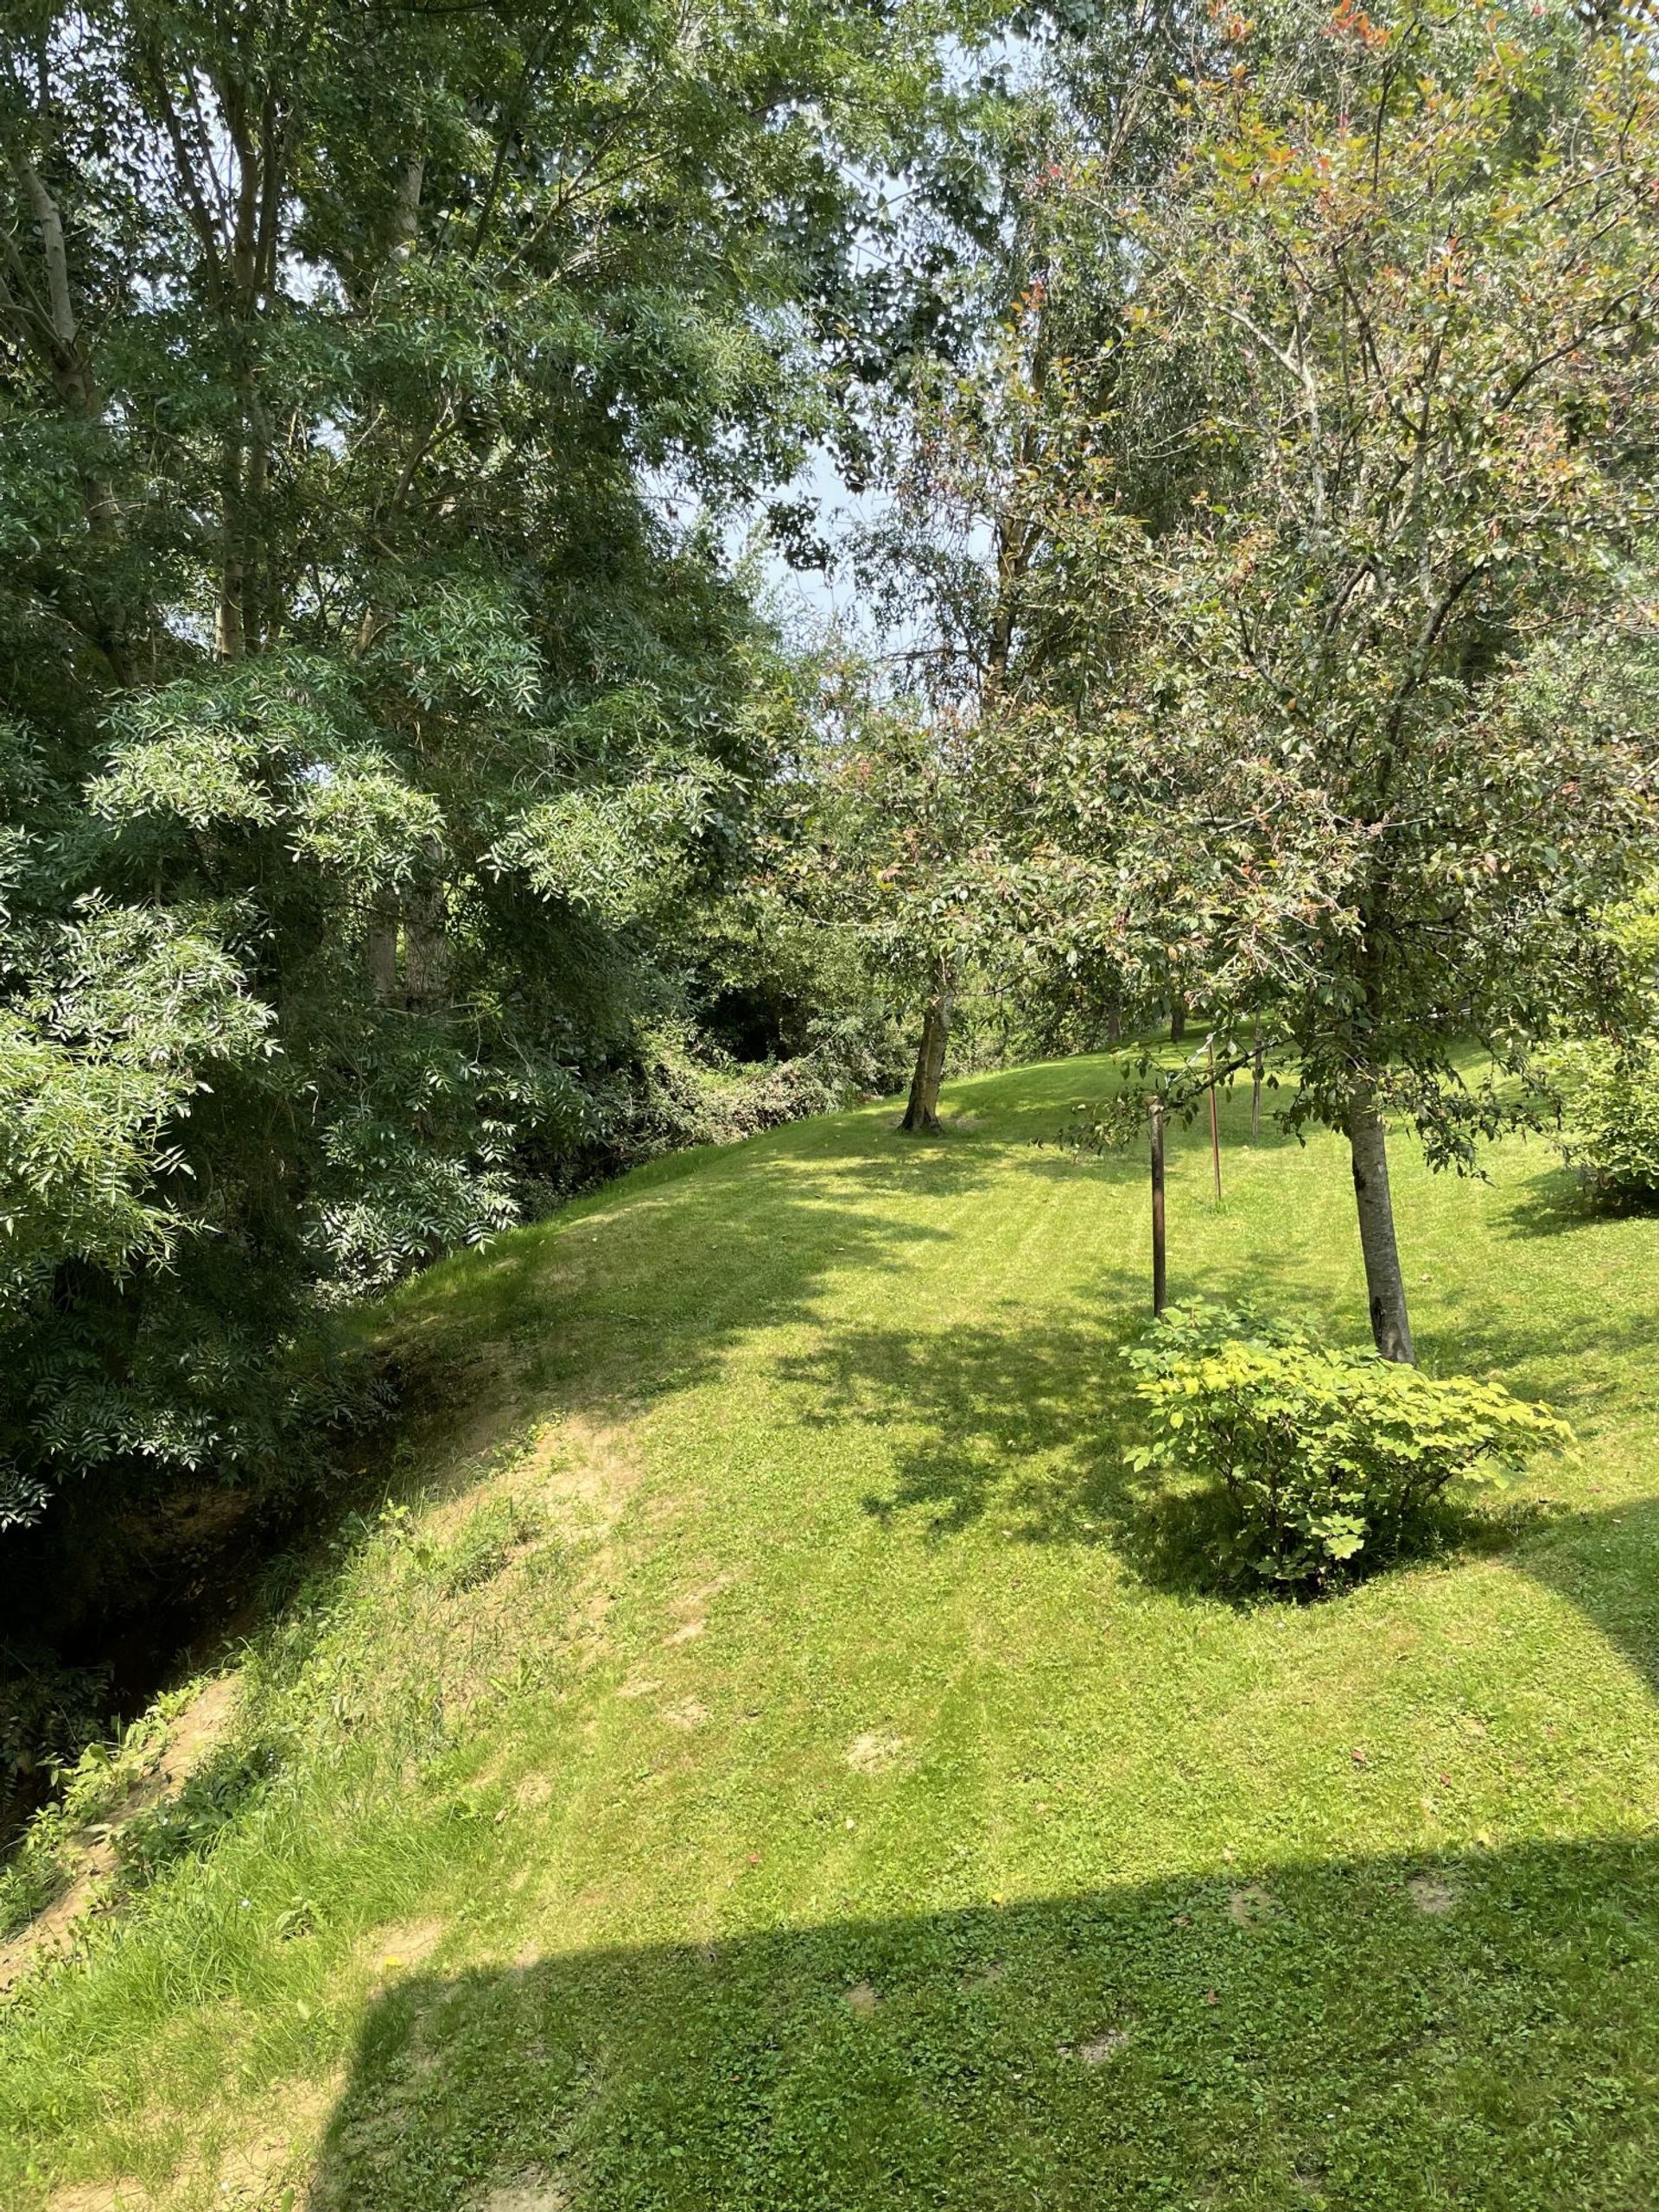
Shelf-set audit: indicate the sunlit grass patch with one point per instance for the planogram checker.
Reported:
(780, 1762)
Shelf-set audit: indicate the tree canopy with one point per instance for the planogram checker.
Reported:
(1328, 688)
(385, 713)
(412, 802)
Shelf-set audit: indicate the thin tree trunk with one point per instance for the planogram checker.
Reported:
(1385, 1287)
(406, 220)
(228, 636)
(922, 1114)
(53, 330)
(1255, 1084)
(1177, 1018)
(1160, 1275)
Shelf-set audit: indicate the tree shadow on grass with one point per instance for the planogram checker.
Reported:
(690, 1265)
(1032, 1423)
(1412, 2032)
(1034, 1429)
(598, 1312)
(1607, 1564)
(1553, 1203)
(1033, 1426)
(611, 1308)
(1558, 1203)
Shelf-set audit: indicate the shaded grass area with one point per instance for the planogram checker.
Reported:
(1364, 2034)
(781, 1623)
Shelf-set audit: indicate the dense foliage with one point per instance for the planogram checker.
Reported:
(1612, 1082)
(384, 729)
(1328, 1459)
(411, 808)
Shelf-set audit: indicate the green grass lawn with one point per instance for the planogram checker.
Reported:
(780, 1762)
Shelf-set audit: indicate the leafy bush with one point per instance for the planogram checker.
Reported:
(1327, 1458)
(1612, 1132)
(689, 1093)
(1611, 1122)
(49, 1712)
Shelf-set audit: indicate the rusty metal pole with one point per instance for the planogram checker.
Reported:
(1159, 1293)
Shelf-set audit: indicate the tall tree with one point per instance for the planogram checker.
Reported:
(1385, 678)
(881, 846)
(380, 709)
(964, 441)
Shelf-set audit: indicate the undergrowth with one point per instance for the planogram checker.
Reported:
(374, 1667)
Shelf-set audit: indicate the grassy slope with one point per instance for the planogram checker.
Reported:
(798, 1782)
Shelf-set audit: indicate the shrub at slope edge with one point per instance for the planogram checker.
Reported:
(1324, 1454)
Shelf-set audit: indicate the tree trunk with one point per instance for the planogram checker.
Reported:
(382, 957)
(426, 948)
(228, 636)
(922, 1114)
(1255, 1084)
(51, 328)
(1385, 1287)
(1160, 1274)
(1177, 1018)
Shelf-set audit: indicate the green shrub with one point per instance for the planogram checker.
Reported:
(49, 1713)
(1612, 1119)
(1612, 1132)
(1326, 1460)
